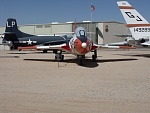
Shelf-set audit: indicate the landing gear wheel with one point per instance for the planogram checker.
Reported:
(93, 58)
(81, 61)
(62, 58)
(59, 56)
(44, 51)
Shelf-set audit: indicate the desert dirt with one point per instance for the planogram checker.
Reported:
(33, 82)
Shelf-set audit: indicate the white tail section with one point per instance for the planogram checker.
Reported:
(137, 24)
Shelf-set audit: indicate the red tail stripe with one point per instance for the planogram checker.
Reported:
(137, 25)
(126, 7)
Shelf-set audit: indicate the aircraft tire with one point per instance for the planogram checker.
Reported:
(93, 58)
(81, 61)
(44, 51)
(62, 58)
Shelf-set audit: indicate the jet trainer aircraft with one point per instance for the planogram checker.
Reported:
(13, 37)
(79, 46)
(138, 25)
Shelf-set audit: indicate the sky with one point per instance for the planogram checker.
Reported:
(48, 11)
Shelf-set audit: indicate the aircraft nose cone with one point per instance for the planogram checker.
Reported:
(84, 45)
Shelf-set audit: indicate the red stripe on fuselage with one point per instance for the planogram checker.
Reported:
(66, 47)
(27, 48)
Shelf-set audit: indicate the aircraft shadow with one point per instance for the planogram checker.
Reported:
(143, 55)
(136, 55)
(9, 57)
(86, 63)
(29, 53)
(35, 52)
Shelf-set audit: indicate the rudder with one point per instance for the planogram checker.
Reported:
(130, 15)
(138, 25)
(11, 26)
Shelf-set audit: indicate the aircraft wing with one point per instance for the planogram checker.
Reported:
(64, 47)
(50, 47)
(114, 47)
(119, 43)
(146, 43)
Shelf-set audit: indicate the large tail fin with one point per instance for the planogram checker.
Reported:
(137, 24)
(11, 26)
(12, 33)
(11, 30)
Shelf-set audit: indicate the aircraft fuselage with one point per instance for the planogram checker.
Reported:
(37, 40)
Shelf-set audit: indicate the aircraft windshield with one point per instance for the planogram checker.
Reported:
(82, 33)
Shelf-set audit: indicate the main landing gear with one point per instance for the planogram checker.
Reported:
(59, 56)
(94, 56)
(44, 51)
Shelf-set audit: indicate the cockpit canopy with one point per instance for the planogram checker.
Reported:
(80, 32)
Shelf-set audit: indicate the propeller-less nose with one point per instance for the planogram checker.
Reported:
(84, 45)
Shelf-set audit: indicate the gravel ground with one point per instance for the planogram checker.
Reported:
(32, 82)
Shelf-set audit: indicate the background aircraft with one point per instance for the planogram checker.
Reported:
(139, 26)
(15, 38)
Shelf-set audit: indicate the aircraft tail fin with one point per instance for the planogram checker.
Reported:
(137, 24)
(11, 26)
(130, 15)
(11, 30)
(12, 33)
